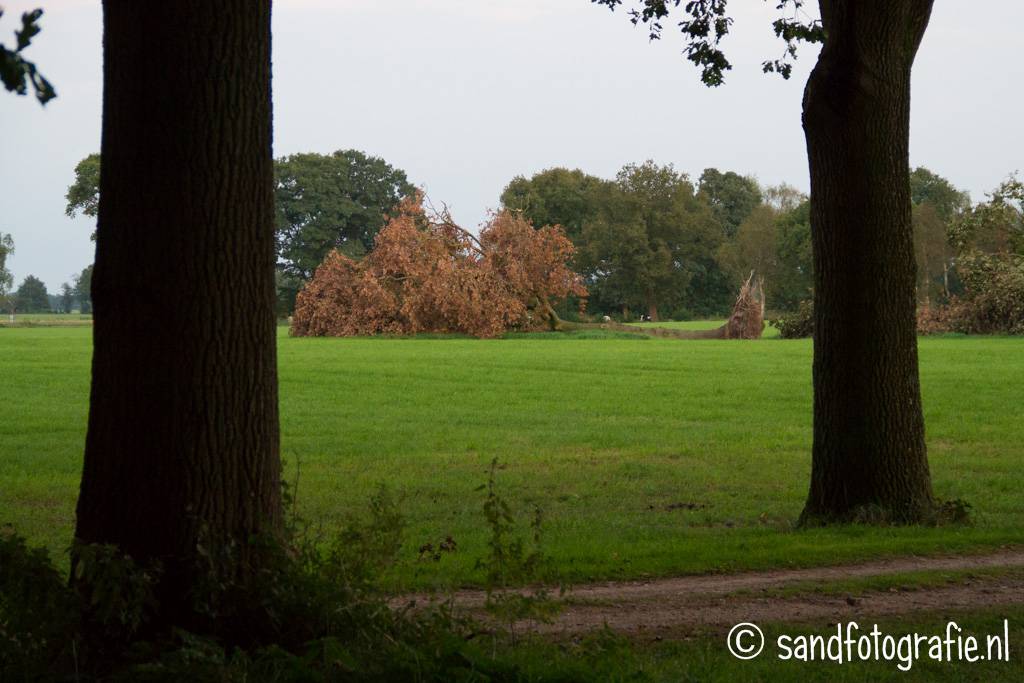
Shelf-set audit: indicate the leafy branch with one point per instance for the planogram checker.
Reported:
(16, 72)
(706, 24)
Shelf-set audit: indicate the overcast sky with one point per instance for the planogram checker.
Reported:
(465, 94)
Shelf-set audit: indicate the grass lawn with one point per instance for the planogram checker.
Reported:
(769, 331)
(647, 456)
(74, 319)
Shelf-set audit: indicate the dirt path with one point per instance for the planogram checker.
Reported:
(679, 605)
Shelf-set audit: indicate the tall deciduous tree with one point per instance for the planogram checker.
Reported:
(643, 240)
(678, 229)
(67, 298)
(557, 196)
(794, 280)
(323, 202)
(648, 239)
(869, 448)
(6, 278)
(995, 226)
(182, 446)
(783, 197)
(83, 289)
(83, 195)
(928, 187)
(753, 247)
(937, 205)
(334, 201)
(732, 197)
(932, 253)
(32, 296)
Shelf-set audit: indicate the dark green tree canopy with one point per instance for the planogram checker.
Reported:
(732, 197)
(16, 72)
(794, 280)
(653, 239)
(334, 201)
(84, 194)
(645, 242)
(557, 196)
(6, 249)
(31, 296)
(929, 187)
(323, 202)
(995, 226)
(82, 289)
(6, 279)
(67, 298)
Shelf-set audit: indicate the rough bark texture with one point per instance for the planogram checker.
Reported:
(869, 456)
(182, 441)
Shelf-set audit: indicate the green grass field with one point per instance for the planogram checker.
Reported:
(647, 456)
(46, 319)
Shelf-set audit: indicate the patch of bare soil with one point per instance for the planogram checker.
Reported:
(686, 604)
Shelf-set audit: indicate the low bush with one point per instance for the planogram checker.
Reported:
(798, 324)
(937, 319)
(315, 613)
(992, 303)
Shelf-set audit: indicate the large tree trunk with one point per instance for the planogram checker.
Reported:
(869, 458)
(652, 308)
(182, 441)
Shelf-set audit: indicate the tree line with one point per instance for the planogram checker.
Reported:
(649, 242)
(31, 296)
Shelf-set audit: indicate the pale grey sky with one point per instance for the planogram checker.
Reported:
(466, 94)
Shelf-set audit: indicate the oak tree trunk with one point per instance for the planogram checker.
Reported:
(182, 443)
(869, 458)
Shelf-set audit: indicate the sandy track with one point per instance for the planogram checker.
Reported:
(679, 605)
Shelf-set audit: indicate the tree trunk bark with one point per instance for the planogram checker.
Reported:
(652, 310)
(869, 458)
(182, 442)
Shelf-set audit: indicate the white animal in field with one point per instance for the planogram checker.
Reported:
(606, 319)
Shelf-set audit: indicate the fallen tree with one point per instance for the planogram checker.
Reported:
(745, 322)
(427, 274)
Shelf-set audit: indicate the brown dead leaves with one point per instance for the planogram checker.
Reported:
(426, 274)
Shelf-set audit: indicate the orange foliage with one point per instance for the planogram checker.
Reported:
(426, 274)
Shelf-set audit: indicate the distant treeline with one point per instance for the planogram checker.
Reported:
(649, 242)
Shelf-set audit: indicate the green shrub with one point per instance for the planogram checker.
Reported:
(993, 301)
(314, 613)
(512, 562)
(798, 324)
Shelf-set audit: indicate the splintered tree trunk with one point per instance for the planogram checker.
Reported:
(869, 457)
(182, 443)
